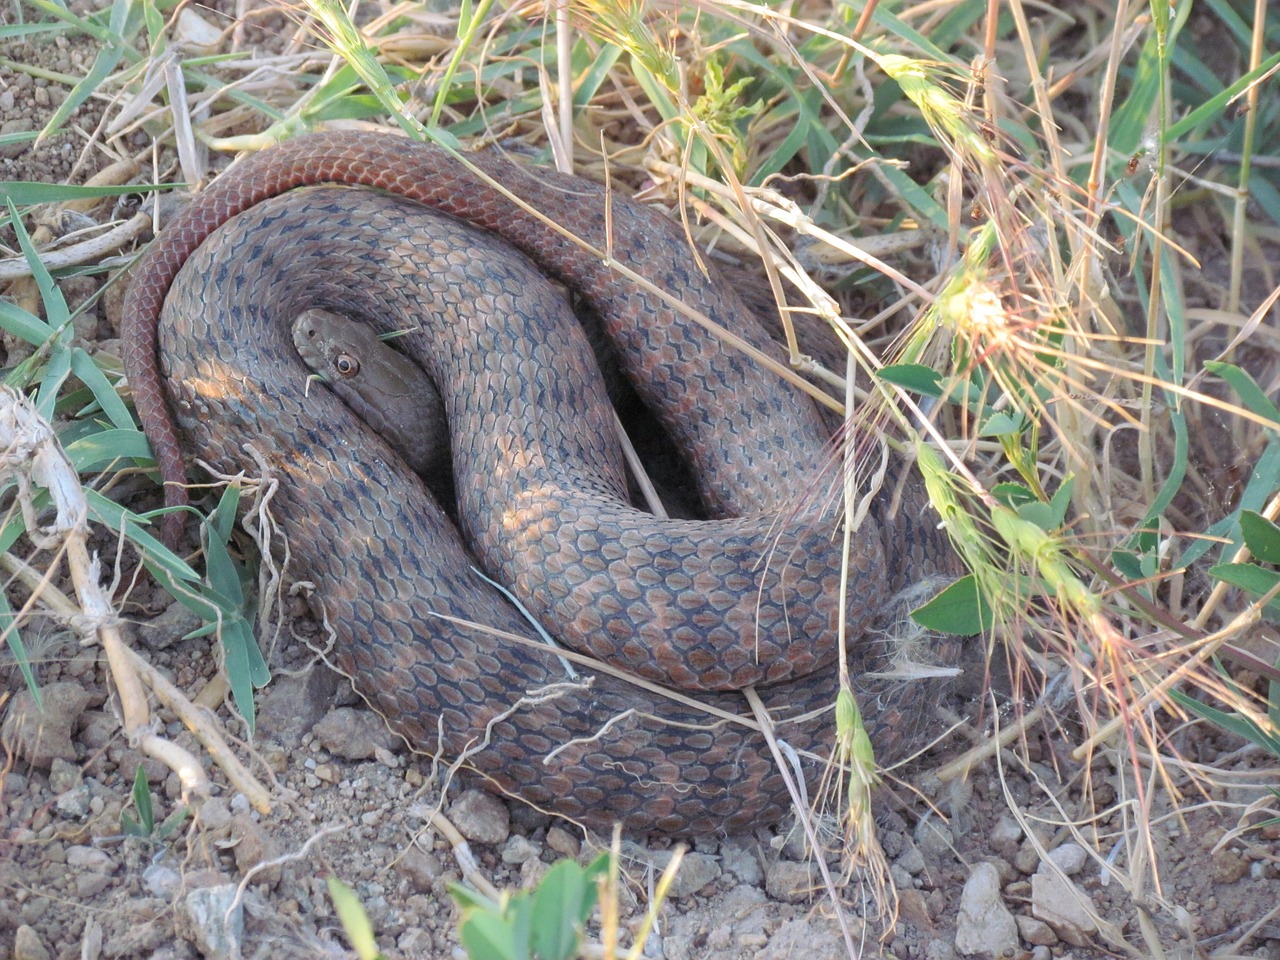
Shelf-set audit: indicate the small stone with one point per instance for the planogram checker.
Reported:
(75, 804)
(1036, 932)
(519, 849)
(168, 627)
(1229, 865)
(196, 34)
(1027, 859)
(37, 735)
(696, 870)
(253, 846)
(212, 918)
(90, 858)
(914, 908)
(934, 839)
(742, 860)
(984, 925)
(1057, 901)
(421, 868)
(162, 882)
(327, 773)
(481, 817)
(63, 776)
(28, 946)
(911, 859)
(293, 705)
(215, 816)
(90, 884)
(354, 734)
(564, 843)
(792, 882)
(1070, 858)
(1005, 836)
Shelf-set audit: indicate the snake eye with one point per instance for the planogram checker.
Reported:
(346, 365)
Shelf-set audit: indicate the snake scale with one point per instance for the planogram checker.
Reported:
(749, 597)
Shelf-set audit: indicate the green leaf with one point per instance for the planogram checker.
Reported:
(1261, 536)
(562, 904)
(913, 376)
(486, 936)
(1013, 495)
(91, 375)
(960, 609)
(97, 450)
(1218, 103)
(1238, 724)
(1250, 577)
(142, 802)
(1251, 395)
(355, 922)
(1003, 423)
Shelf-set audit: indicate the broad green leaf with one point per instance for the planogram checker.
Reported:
(1013, 495)
(1261, 536)
(913, 376)
(562, 903)
(960, 609)
(486, 936)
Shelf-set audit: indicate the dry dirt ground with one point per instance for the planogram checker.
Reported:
(1010, 861)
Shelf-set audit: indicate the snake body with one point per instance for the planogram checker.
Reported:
(713, 606)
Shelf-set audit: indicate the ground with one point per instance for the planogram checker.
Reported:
(1030, 854)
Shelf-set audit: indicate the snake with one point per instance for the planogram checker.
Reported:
(677, 617)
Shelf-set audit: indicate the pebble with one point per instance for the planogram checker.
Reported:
(90, 858)
(564, 843)
(162, 882)
(984, 926)
(209, 921)
(28, 946)
(41, 736)
(911, 859)
(1005, 836)
(75, 804)
(815, 937)
(1059, 902)
(695, 872)
(293, 705)
(354, 734)
(520, 849)
(196, 34)
(481, 817)
(1036, 932)
(1070, 858)
(1027, 859)
(90, 884)
(168, 627)
(742, 860)
(422, 869)
(792, 882)
(253, 845)
(63, 776)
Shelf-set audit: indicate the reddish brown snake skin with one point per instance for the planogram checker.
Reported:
(711, 605)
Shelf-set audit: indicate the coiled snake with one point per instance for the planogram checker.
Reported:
(706, 607)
